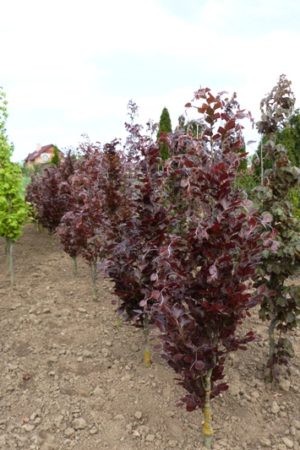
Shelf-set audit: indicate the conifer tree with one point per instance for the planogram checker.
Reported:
(55, 158)
(165, 127)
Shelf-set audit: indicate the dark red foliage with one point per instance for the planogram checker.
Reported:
(97, 201)
(206, 265)
(49, 193)
(140, 234)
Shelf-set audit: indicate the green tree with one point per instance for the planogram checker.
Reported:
(55, 158)
(13, 208)
(164, 128)
(289, 137)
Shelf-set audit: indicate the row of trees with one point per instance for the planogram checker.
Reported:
(187, 251)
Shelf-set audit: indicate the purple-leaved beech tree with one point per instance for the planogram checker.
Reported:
(206, 265)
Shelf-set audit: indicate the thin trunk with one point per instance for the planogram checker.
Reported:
(147, 351)
(207, 429)
(94, 280)
(272, 347)
(75, 271)
(261, 165)
(9, 246)
(6, 248)
(119, 320)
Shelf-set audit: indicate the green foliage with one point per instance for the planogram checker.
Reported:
(294, 198)
(246, 181)
(55, 158)
(243, 164)
(3, 111)
(289, 137)
(164, 128)
(13, 209)
(165, 125)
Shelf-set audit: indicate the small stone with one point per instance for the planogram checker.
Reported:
(296, 424)
(105, 352)
(69, 432)
(98, 391)
(265, 442)
(138, 415)
(34, 415)
(79, 423)
(173, 444)
(93, 430)
(28, 427)
(255, 395)
(275, 408)
(143, 430)
(82, 310)
(285, 385)
(288, 442)
(150, 437)
(58, 420)
(119, 417)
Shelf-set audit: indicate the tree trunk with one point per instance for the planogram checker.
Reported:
(261, 165)
(94, 280)
(9, 248)
(147, 351)
(207, 429)
(272, 347)
(75, 271)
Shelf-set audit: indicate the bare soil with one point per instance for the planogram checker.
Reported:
(72, 379)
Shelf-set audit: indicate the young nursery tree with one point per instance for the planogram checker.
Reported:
(95, 206)
(13, 208)
(206, 265)
(282, 306)
(129, 261)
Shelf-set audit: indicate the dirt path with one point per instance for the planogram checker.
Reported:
(70, 379)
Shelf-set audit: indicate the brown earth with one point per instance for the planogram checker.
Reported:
(72, 379)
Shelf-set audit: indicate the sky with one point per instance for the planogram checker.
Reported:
(69, 67)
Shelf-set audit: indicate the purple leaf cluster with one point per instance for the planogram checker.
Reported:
(50, 193)
(97, 200)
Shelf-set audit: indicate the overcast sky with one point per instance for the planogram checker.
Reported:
(69, 67)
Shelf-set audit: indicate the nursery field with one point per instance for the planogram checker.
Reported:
(72, 379)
